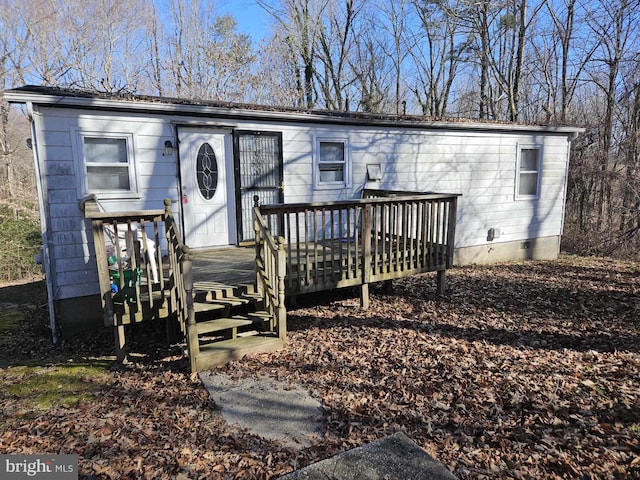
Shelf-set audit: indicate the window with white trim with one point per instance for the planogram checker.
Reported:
(332, 164)
(528, 174)
(107, 163)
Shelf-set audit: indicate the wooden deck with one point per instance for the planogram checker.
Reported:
(324, 263)
(229, 302)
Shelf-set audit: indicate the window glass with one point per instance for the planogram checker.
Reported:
(331, 173)
(528, 184)
(207, 171)
(106, 164)
(529, 172)
(108, 178)
(105, 150)
(332, 152)
(331, 162)
(529, 159)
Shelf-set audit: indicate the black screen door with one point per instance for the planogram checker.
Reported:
(258, 172)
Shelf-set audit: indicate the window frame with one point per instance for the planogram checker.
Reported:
(83, 165)
(317, 162)
(519, 172)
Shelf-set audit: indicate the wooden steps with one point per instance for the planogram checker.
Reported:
(222, 324)
(230, 322)
(255, 319)
(219, 353)
(204, 307)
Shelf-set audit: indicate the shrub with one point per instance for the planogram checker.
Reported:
(20, 241)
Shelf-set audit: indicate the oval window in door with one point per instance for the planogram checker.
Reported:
(207, 171)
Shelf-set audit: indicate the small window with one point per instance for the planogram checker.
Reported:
(332, 166)
(107, 163)
(528, 178)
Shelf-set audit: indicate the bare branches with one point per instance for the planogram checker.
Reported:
(551, 61)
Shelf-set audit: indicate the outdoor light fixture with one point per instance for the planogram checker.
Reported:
(168, 148)
(29, 144)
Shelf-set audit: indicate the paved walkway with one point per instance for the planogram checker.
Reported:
(391, 458)
(267, 408)
(289, 415)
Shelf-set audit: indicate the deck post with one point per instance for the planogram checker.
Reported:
(451, 231)
(441, 283)
(366, 256)
(192, 332)
(110, 319)
(121, 345)
(103, 271)
(281, 311)
(364, 296)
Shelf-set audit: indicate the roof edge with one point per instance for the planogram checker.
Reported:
(52, 96)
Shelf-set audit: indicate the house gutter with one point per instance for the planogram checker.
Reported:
(46, 258)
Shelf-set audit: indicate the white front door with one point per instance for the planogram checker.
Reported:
(207, 187)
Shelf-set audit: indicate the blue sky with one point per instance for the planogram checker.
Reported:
(250, 17)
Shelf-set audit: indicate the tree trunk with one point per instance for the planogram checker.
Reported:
(6, 161)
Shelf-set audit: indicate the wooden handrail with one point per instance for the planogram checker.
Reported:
(180, 279)
(271, 268)
(296, 207)
(348, 243)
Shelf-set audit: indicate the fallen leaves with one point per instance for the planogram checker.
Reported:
(524, 370)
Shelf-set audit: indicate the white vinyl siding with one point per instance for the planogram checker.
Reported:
(61, 156)
(480, 165)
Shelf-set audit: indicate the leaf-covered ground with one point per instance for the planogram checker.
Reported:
(525, 370)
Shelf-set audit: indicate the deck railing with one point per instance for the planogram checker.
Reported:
(300, 248)
(136, 281)
(130, 266)
(180, 284)
(177, 254)
(270, 272)
(386, 235)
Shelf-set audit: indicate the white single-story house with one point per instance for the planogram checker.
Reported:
(211, 158)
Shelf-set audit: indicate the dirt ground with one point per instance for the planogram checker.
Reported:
(524, 370)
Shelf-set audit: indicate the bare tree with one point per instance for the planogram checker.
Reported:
(157, 68)
(207, 58)
(11, 53)
(335, 40)
(394, 21)
(629, 226)
(301, 20)
(614, 25)
(501, 32)
(90, 45)
(603, 181)
(477, 17)
(274, 81)
(372, 69)
(438, 53)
